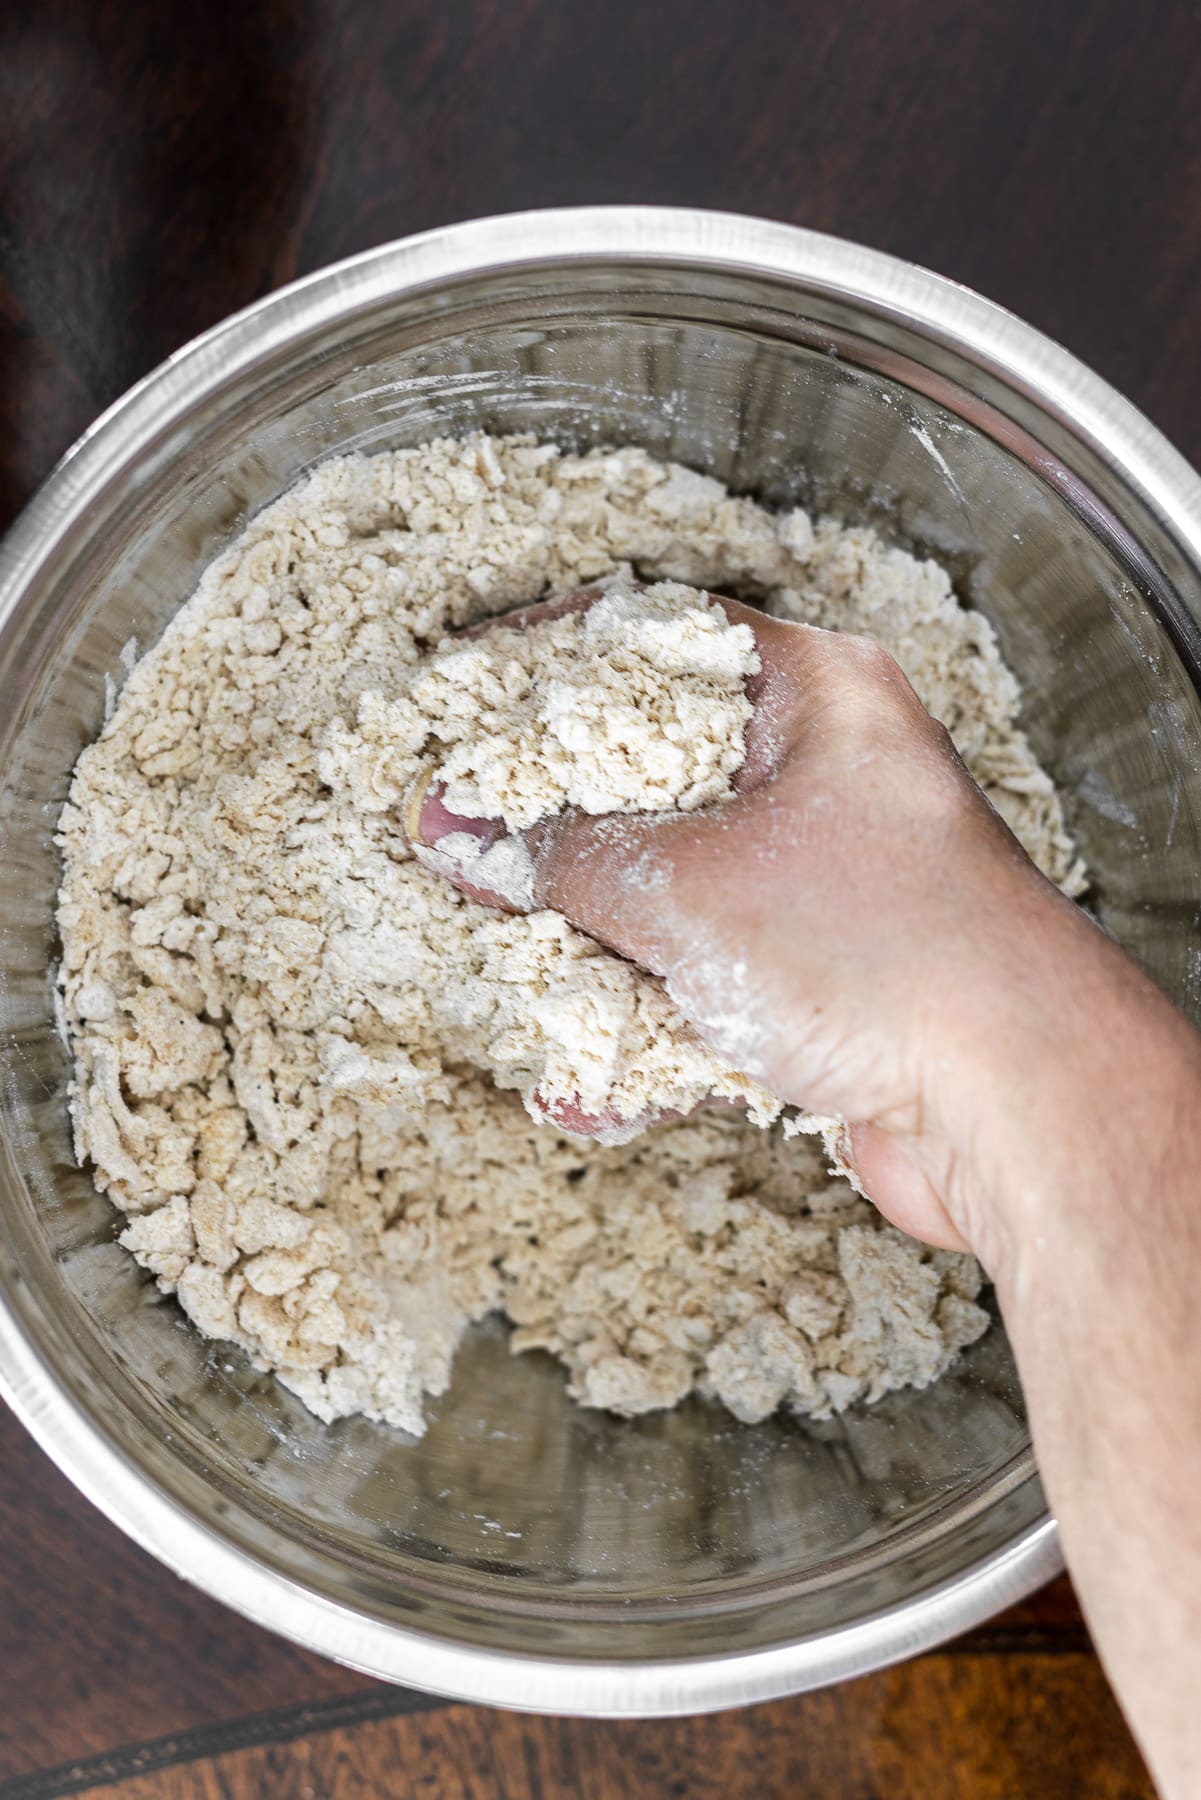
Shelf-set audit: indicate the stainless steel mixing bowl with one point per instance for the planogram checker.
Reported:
(527, 1552)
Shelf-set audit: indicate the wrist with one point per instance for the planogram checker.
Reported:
(1064, 1095)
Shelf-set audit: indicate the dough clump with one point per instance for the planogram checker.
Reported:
(314, 1076)
(637, 704)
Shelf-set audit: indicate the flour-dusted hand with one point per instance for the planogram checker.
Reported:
(858, 930)
(823, 926)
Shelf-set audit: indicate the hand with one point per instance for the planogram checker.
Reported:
(843, 929)
(859, 930)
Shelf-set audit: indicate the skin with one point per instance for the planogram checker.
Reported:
(1012, 1083)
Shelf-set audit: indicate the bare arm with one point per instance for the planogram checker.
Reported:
(1013, 1083)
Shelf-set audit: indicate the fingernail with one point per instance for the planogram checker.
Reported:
(426, 819)
(410, 811)
(607, 1128)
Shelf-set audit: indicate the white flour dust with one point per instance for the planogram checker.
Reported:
(301, 1057)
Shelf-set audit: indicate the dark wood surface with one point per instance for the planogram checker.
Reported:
(162, 165)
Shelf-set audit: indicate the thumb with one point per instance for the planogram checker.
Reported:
(663, 890)
(628, 880)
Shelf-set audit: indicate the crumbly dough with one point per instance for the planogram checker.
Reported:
(300, 1057)
(636, 705)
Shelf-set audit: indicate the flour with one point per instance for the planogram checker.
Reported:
(314, 1076)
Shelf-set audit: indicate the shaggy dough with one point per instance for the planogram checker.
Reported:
(636, 705)
(301, 1057)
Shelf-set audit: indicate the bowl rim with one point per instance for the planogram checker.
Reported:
(732, 243)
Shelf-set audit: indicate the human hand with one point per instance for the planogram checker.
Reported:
(851, 929)
(859, 931)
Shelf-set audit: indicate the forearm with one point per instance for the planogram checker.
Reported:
(1095, 1193)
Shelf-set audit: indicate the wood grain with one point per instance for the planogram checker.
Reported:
(161, 167)
(100, 1647)
(937, 1729)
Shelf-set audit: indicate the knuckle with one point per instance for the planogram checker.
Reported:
(869, 659)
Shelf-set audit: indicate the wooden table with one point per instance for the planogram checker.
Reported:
(160, 166)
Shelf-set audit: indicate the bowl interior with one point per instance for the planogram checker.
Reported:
(521, 1521)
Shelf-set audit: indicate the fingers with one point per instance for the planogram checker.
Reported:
(625, 879)
(578, 600)
(678, 894)
(893, 1172)
(619, 878)
(428, 820)
(475, 855)
(607, 1127)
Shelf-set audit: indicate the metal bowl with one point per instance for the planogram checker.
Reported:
(526, 1552)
